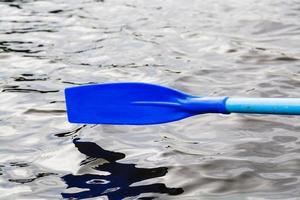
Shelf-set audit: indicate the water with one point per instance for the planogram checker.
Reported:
(214, 48)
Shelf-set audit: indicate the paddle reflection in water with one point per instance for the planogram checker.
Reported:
(115, 185)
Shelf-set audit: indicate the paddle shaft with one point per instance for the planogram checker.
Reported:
(281, 106)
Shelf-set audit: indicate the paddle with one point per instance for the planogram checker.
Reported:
(143, 103)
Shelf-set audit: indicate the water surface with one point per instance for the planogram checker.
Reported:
(214, 48)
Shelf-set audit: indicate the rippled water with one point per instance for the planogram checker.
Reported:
(234, 48)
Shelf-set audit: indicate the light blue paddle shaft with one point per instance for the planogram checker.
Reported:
(284, 106)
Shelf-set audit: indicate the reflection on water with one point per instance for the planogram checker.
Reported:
(118, 183)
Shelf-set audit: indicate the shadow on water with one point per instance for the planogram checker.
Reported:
(116, 185)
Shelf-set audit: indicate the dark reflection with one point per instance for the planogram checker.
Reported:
(23, 90)
(13, 1)
(15, 88)
(21, 78)
(27, 30)
(68, 133)
(18, 47)
(1, 170)
(15, 6)
(55, 11)
(29, 180)
(116, 185)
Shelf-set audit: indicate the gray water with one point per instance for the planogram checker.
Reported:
(211, 48)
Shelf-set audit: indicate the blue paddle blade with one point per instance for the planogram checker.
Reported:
(133, 103)
(124, 103)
